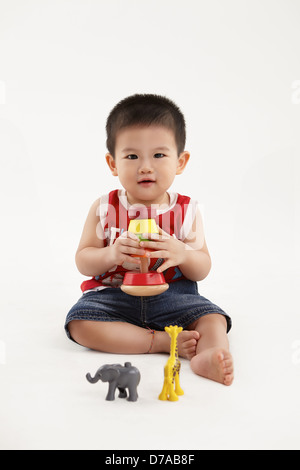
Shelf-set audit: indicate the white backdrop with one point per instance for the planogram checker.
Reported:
(233, 68)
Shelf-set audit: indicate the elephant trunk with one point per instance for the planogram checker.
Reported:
(91, 379)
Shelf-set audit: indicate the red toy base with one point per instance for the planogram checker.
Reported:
(150, 278)
(144, 284)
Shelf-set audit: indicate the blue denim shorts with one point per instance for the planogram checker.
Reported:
(180, 305)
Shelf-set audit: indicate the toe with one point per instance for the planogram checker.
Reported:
(227, 362)
(228, 370)
(220, 356)
(228, 379)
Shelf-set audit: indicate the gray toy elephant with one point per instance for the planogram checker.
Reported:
(120, 377)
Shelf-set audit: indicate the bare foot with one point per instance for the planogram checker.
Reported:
(187, 341)
(215, 364)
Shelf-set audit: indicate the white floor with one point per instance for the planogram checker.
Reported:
(238, 83)
(46, 402)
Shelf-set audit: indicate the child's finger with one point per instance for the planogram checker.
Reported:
(129, 235)
(162, 232)
(151, 245)
(167, 264)
(130, 242)
(157, 254)
(132, 259)
(133, 251)
(156, 236)
(151, 236)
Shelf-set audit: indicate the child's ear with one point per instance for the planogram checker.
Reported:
(112, 164)
(182, 162)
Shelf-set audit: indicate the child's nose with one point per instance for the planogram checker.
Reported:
(146, 170)
(146, 167)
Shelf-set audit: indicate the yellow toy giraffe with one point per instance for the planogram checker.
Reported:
(171, 388)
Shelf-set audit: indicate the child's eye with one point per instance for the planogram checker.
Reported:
(159, 155)
(132, 157)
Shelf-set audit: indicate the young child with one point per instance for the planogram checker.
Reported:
(146, 150)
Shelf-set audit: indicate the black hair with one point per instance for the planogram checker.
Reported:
(145, 110)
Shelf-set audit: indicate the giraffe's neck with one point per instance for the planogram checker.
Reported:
(174, 349)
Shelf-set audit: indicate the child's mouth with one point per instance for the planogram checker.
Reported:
(146, 183)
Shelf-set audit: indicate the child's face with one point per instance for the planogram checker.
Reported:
(146, 162)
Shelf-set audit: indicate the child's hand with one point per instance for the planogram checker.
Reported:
(172, 250)
(127, 244)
